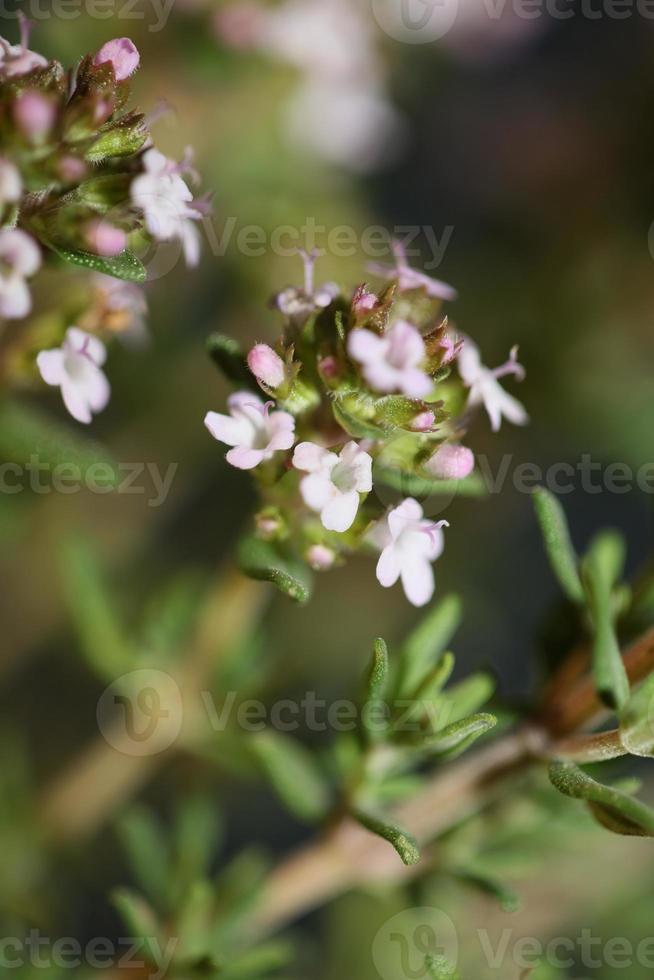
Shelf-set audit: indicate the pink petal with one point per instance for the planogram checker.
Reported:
(417, 580)
(51, 366)
(365, 346)
(406, 342)
(340, 512)
(15, 299)
(75, 402)
(233, 432)
(81, 342)
(244, 459)
(408, 512)
(388, 567)
(416, 384)
(310, 457)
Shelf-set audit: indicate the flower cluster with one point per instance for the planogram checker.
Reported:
(362, 396)
(81, 181)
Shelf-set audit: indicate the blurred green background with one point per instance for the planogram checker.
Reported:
(538, 153)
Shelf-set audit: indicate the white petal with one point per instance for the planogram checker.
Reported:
(512, 409)
(408, 512)
(417, 580)
(241, 398)
(75, 401)
(340, 512)
(97, 389)
(381, 376)
(190, 237)
(15, 298)
(281, 426)
(406, 344)
(317, 490)
(243, 458)
(365, 346)
(224, 428)
(78, 340)
(469, 361)
(51, 366)
(415, 383)
(388, 567)
(310, 457)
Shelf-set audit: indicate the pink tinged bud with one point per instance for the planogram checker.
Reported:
(451, 462)
(123, 55)
(424, 422)
(34, 114)
(266, 366)
(363, 301)
(105, 239)
(72, 170)
(320, 557)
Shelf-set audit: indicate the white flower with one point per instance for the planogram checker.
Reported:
(123, 308)
(299, 304)
(11, 185)
(485, 388)
(391, 362)
(76, 368)
(19, 258)
(408, 278)
(255, 432)
(17, 59)
(334, 482)
(166, 202)
(408, 543)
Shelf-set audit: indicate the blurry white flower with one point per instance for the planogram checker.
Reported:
(19, 258)
(11, 185)
(76, 368)
(408, 278)
(391, 362)
(485, 388)
(17, 59)
(255, 432)
(166, 202)
(334, 482)
(408, 544)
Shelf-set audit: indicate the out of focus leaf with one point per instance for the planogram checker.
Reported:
(125, 266)
(427, 641)
(346, 412)
(262, 560)
(405, 845)
(422, 487)
(601, 568)
(102, 638)
(611, 808)
(139, 919)
(459, 736)
(293, 774)
(227, 355)
(142, 838)
(197, 831)
(556, 535)
(438, 968)
(467, 697)
(258, 961)
(490, 885)
(637, 721)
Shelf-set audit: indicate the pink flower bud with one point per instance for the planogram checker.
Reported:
(328, 367)
(424, 422)
(363, 301)
(123, 55)
(72, 169)
(320, 557)
(34, 114)
(451, 462)
(266, 366)
(105, 239)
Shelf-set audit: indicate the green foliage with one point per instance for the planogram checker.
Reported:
(405, 845)
(293, 774)
(637, 721)
(489, 885)
(556, 535)
(423, 647)
(612, 808)
(422, 487)
(455, 738)
(266, 561)
(125, 266)
(228, 356)
(601, 570)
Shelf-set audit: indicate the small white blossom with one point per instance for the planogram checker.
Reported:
(11, 185)
(301, 303)
(334, 482)
(408, 278)
(485, 388)
(17, 59)
(392, 362)
(255, 432)
(408, 544)
(19, 258)
(76, 368)
(167, 203)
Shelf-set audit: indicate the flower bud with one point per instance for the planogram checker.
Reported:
(123, 56)
(364, 302)
(424, 422)
(320, 557)
(266, 366)
(451, 462)
(11, 185)
(71, 169)
(34, 114)
(104, 238)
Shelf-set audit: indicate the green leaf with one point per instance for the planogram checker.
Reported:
(466, 697)
(374, 690)
(426, 643)
(601, 568)
(262, 560)
(360, 426)
(490, 885)
(293, 774)
(454, 739)
(28, 436)
(556, 535)
(637, 721)
(142, 839)
(613, 809)
(395, 411)
(259, 960)
(405, 845)
(423, 487)
(125, 266)
(197, 831)
(121, 139)
(438, 968)
(140, 920)
(101, 635)
(227, 355)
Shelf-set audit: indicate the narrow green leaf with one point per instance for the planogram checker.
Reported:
(139, 919)
(197, 831)
(490, 885)
(405, 845)
(292, 773)
(423, 487)
(459, 736)
(637, 721)
(613, 809)
(426, 643)
(556, 535)
(467, 697)
(374, 689)
(601, 567)
(227, 355)
(102, 638)
(438, 968)
(357, 425)
(125, 266)
(262, 560)
(259, 960)
(142, 839)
